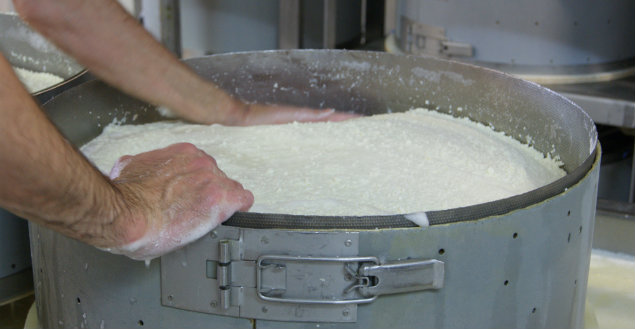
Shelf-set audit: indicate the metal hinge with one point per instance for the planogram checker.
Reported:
(224, 275)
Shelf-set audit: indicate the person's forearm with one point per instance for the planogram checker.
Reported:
(43, 178)
(152, 203)
(114, 46)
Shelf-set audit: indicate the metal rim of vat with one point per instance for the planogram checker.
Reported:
(27, 49)
(567, 123)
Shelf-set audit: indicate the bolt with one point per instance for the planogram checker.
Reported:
(345, 313)
(264, 240)
(264, 309)
(348, 243)
(213, 234)
(212, 304)
(170, 297)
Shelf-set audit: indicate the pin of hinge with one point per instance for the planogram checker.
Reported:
(224, 273)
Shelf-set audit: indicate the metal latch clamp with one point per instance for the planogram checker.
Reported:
(373, 278)
(403, 276)
(260, 266)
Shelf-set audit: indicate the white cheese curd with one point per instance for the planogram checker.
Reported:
(394, 163)
(36, 81)
(610, 297)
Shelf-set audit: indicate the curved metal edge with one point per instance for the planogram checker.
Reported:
(448, 216)
(47, 94)
(498, 207)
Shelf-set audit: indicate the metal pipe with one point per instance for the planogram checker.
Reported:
(171, 25)
(328, 27)
(289, 24)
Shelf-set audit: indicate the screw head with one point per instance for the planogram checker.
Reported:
(348, 243)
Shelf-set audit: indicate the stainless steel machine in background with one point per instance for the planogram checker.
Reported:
(584, 50)
(518, 262)
(549, 42)
(197, 28)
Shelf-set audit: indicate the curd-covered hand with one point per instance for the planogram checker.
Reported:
(257, 114)
(237, 113)
(170, 197)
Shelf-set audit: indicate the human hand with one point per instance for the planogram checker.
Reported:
(258, 114)
(171, 197)
(206, 103)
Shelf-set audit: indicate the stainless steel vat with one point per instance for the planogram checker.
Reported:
(519, 262)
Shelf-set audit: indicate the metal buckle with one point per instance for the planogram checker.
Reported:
(402, 276)
(372, 279)
(261, 265)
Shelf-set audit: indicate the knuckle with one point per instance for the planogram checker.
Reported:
(248, 197)
(237, 185)
(213, 195)
(210, 158)
(201, 163)
(124, 160)
(185, 147)
(207, 178)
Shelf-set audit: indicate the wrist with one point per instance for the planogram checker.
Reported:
(205, 103)
(110, 220)
(126, 224)
(222, 108)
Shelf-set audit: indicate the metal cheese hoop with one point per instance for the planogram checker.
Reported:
(526, 267)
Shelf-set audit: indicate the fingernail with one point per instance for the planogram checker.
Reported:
(326, 112)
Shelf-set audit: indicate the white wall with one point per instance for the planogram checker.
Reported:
(6, 6)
